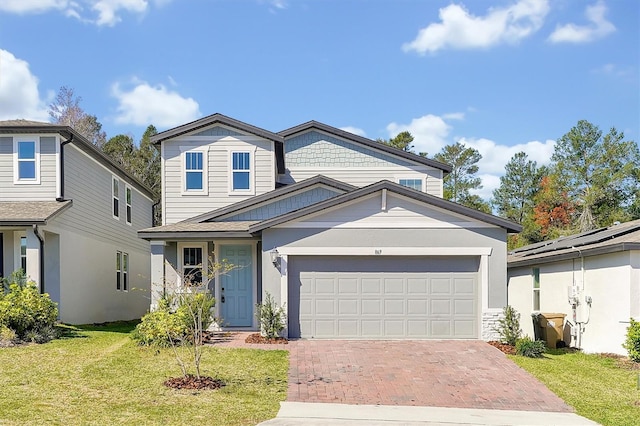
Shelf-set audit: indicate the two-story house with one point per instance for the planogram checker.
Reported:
(69, 218)
(352, 236)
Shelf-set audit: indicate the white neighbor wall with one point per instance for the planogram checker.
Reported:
(611, 280)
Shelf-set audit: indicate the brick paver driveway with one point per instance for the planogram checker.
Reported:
(465, 374)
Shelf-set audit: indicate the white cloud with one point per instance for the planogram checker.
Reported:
(459, 29)
(429, 131)
(599, 27)
(19, 95)
(105, 12)
(145, 104)
(355, 130)
(495, 157)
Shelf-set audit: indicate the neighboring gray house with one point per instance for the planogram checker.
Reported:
(352, 236)
(597, 272)
(69, 218)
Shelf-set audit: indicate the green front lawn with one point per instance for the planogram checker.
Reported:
(97, 375)
(600, 388)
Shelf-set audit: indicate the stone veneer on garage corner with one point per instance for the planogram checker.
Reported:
(490, 319)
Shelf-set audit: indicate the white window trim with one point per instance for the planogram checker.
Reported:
(118, 270)
(535, 290)
(421, 178)
(205, 172)
(205, 261)
(16, 177)
(252, 167)
(17, 252)
(125, 273)
(115, 179)
(128, 205)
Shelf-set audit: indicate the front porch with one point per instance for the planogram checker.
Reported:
(227, 268)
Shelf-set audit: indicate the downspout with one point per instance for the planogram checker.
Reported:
(41, 256)
(60, 196)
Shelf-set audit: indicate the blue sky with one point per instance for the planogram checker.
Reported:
(501, 76)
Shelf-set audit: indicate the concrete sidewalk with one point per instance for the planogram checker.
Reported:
(303, 413)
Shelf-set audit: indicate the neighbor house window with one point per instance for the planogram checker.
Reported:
(116, 198)
(26, 165)
(411, 183)
(122, 271)
(194, 171)
(128, 201)
(192, 264)
(536, 289)
(240, 171)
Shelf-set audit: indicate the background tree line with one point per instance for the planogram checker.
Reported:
(592, 181)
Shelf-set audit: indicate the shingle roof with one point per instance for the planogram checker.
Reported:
(200, 230)
(618, 237)
(30, 212)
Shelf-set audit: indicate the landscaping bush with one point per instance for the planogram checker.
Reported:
(272, 317)
(632, 342)
(509, 326)
(169, 323)
(530, 348)
(7, 336)
(24, 310)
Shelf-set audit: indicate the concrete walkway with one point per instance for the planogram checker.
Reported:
(299, 413)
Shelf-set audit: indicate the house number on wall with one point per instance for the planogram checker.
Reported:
(378, 251)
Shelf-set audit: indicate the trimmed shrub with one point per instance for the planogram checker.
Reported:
(530, 348)
(509, 326)
(272, 317)
(632, 342)
(24, 309)
(170, 324)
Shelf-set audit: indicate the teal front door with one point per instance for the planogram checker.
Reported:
(236, 287)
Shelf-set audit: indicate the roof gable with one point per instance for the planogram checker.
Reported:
(200, 127)
(314, 125)
(435, 203)
(14, 127)
(272, 197)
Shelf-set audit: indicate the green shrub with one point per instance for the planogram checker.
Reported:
(41, 335)
(632, 342)
(169, 324)
(7, 336)
(530, 348)
(272, 317)
(509, 326)
(24, 309)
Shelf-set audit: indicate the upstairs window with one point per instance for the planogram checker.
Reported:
(411, 183)
(240, 171)
(26, 165)
(194, 171)
(116, 198)
(128, 201)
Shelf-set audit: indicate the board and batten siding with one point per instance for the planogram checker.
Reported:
(313, 153)
(43, 191)
(178, 206)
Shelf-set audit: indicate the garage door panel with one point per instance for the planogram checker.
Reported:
(371, 306)
(359, 297)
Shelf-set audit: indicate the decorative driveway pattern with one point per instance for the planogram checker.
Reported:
(451, 373)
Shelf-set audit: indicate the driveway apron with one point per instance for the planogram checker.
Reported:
(451, 373)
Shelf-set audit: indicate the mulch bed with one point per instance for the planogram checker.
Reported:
(193, 383)
(507, 349)
(257, 338)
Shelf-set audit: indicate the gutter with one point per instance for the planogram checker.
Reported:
(60, 196)
(41, 256)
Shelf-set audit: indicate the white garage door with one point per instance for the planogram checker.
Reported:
(383, 297)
